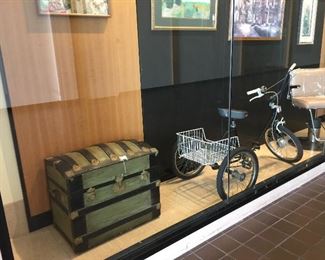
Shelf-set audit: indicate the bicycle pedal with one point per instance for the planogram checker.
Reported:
(215, 166)
(256, 146)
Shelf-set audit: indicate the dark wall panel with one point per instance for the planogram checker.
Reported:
(174, 57)
(156, 50)
(172, 109)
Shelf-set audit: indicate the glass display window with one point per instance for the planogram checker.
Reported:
(130, 124)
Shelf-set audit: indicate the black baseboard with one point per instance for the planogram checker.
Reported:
(178, 231)
(40, 221)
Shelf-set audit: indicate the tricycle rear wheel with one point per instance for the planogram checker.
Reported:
(184, 168)
(240, 175)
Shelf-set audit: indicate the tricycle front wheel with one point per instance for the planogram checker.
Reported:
(284, 144)
(183, 168)
(240, 175)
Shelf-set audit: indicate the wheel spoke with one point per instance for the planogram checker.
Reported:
(281, 144)
(238, 170)
(186, 168)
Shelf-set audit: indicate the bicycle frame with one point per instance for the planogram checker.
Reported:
(276, 117)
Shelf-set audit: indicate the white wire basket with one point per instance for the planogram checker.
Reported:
(194, 146)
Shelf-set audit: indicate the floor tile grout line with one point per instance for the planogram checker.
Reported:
(307, 197)
(302, 243)
(265, 240)
(287, 200)
(270, 213)
(257, 234)
(288, 236)
(245, 244)
(240, 244)
(297, 225)
(321, 201)
(294, 211)
(288, 251)
(309, 249)
(291, 236)
(203, 244)
(307, 186)
(259, 211)
(281, 199)
(283, 218)
(314, 183)
(226, 253)
(280, 218)
(197, 256)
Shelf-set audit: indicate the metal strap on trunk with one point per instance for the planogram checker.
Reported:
(147, 148)
(117, 149)
(108, 151)
(114, 181)
(99, 154)
(61, 165)
(106, 203)
(68, 160)
(155, 210)
(133, 145)
(91, 158)
(127, 150)
(79, 159)
(77, 194)
(73, 165)
(143, 144)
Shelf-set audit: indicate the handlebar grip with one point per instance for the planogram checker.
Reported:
(251, 92)
(292, 66)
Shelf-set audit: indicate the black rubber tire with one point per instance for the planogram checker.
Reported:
(295, 142)
(181, 172)
(223, 193)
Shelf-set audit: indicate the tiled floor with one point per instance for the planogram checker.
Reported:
(290, 228)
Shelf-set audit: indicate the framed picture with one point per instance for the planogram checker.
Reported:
(184, 14)
(74, 7)
(257, 19)
(307, 21)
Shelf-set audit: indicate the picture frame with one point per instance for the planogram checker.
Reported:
(256, 20)
(307, 22)
(98, 8)
(184, 14)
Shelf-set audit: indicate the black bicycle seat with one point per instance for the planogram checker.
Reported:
(235, 114)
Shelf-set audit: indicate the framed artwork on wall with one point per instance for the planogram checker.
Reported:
(184, 14)
(256, 19)
(307, 22)
(74, 7)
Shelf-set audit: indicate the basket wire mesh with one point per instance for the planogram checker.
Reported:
(194, 146)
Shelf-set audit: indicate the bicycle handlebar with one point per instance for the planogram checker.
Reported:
(262, 90)
(251, 92)
(258, 91)
(292, 67)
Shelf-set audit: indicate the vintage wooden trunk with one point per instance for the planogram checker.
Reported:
(102, 191)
